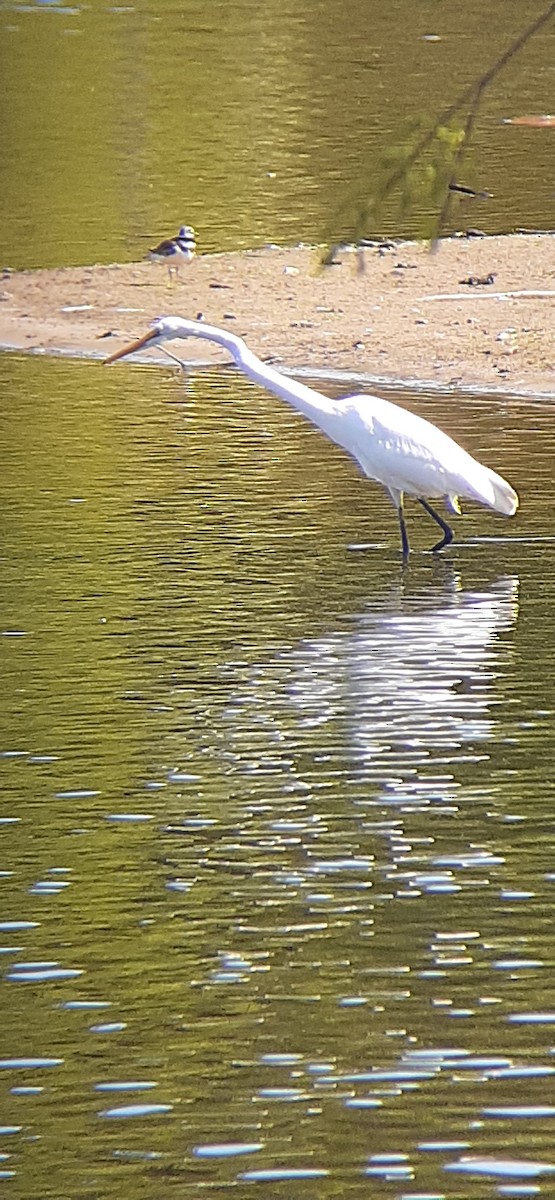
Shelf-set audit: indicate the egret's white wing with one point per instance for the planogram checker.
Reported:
(409, 454)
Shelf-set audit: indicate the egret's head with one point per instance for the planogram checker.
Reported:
(163, 329)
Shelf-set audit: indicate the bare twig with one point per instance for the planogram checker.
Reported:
(471, 97)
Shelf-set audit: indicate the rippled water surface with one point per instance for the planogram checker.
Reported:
(255, 122)
(276, 814)
(277, 873)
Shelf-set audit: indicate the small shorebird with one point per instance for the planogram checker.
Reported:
(177, 250)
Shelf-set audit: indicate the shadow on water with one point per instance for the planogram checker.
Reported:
(277, 880)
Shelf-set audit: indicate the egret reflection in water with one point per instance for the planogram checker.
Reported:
(407, 687)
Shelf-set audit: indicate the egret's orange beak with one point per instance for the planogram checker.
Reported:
(138, 345)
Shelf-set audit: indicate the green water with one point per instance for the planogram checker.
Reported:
(281, 809)
(276, 814)
(253, 122)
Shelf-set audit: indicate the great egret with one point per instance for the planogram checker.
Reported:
(403, 452)
(177, 250)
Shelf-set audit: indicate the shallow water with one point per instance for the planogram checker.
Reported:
(277, 881)
(276, 813)
(253, 122)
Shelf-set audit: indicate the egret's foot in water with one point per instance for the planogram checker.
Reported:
(447, 531)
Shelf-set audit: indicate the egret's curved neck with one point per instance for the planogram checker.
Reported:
(305, 399)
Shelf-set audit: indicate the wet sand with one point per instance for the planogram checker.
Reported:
(475, 313)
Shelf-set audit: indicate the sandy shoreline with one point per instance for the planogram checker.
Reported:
(410, 315)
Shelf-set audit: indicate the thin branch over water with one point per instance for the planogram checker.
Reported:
(447, 141)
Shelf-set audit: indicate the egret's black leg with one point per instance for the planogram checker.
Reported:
(447, 531)
(404, 534)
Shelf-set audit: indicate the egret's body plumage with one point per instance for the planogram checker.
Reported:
(405, 453)
(408, 454)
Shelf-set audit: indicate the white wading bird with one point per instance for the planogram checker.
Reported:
(403, 452)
